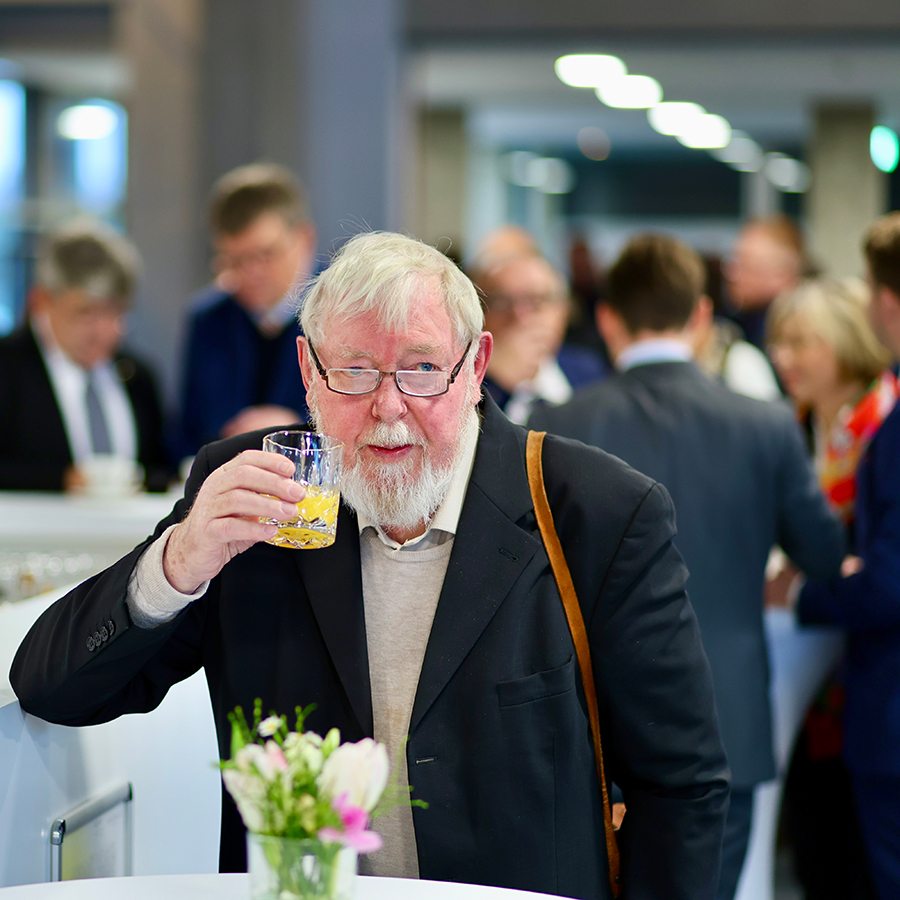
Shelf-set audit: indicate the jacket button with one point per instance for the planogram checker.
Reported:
(96, 638)
(90, 643)
(104, 634)
(111, 627)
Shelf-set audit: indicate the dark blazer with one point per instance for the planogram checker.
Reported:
(741, 481)
(34, 449)
(499, 743)
(222, 369)
(867, 606)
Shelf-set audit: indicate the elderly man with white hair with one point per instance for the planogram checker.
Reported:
(434, 615)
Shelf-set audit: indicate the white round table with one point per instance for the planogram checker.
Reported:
(237, 887)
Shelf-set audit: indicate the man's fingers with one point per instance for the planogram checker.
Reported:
(247, 475)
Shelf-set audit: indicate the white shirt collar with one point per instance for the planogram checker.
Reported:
(653, 350)
(446, 519)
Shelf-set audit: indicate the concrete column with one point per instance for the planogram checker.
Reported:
(440, 188)
(847, 191)
(162, 39)
(353, 124)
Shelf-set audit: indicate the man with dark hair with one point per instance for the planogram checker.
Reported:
(66, 392)
(240, 369)
(740, 479)
(866, 603)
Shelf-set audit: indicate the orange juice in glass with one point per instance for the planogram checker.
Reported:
(317, 466)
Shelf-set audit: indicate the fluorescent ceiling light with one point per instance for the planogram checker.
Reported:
(546, 174)
(673, 118)
(588, 70)
(741, 153)
(86, 122)
(884, 148)
(630, 92)
(706, 132)
(786, 174)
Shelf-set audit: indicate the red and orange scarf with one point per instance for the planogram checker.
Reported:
(854, 427)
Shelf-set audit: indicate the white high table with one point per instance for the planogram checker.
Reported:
(237, 887)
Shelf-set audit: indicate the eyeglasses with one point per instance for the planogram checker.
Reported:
(412, 382)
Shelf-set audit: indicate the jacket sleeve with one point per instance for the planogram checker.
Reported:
(870, 599)
(661, 730)
(85, 662)
(808, 531)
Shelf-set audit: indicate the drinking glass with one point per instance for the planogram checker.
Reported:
(317, 466)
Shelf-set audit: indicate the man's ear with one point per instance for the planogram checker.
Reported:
(483, 355)
(612, 329)
(38, 300)
(305, 361)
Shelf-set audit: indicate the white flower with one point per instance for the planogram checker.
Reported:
(304, 750)
(359, 772)
(249, 794)
(269, 726)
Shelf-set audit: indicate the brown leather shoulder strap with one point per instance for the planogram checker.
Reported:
(534, 465)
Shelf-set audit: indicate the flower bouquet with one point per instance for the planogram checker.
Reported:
(307, 802)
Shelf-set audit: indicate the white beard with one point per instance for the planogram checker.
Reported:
(390, 494)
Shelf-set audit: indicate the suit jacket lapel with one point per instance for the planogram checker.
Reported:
(333, 581)
(489, 553)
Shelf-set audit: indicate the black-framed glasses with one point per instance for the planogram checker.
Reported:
(412, 382)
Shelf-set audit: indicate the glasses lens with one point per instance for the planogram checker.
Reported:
(423, 384)
(352, 381)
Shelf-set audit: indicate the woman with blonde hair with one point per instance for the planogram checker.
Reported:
(836, 371)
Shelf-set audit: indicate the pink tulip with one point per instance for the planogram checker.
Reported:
(355, 833)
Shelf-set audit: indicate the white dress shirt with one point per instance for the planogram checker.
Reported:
(69, 382)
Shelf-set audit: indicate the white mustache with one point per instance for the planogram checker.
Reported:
(396, 434)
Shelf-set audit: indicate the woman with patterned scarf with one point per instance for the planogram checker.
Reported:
(836, 371)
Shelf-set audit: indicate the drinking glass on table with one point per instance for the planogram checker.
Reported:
(317, 466)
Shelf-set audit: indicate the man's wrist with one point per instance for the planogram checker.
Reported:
(171, 558)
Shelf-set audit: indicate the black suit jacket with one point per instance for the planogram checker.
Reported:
(741, 482)
(34, 449)
(499, 743)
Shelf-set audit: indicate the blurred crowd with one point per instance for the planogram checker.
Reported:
(753, 388)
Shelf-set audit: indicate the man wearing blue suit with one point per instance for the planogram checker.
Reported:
(740, 479)
(866, 603)
(240, 363)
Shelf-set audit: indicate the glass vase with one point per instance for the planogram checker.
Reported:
(287, 868)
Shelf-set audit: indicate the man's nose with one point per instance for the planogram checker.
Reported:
(388, 401)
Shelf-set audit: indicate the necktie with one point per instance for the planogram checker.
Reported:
(100, 442)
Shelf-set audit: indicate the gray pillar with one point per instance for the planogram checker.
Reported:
(161, 40)
(440, 189)
(847, 191)
(353, 125)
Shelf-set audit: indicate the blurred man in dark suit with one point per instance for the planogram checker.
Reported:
(240, 365)
(66, 391)
(740, 479)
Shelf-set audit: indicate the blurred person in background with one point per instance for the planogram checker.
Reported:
(721, 351)
(240, 363)
(768, 258)
(739, 476)
(527, 309)
(66, 390)
(836, 371)
(866, 602)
